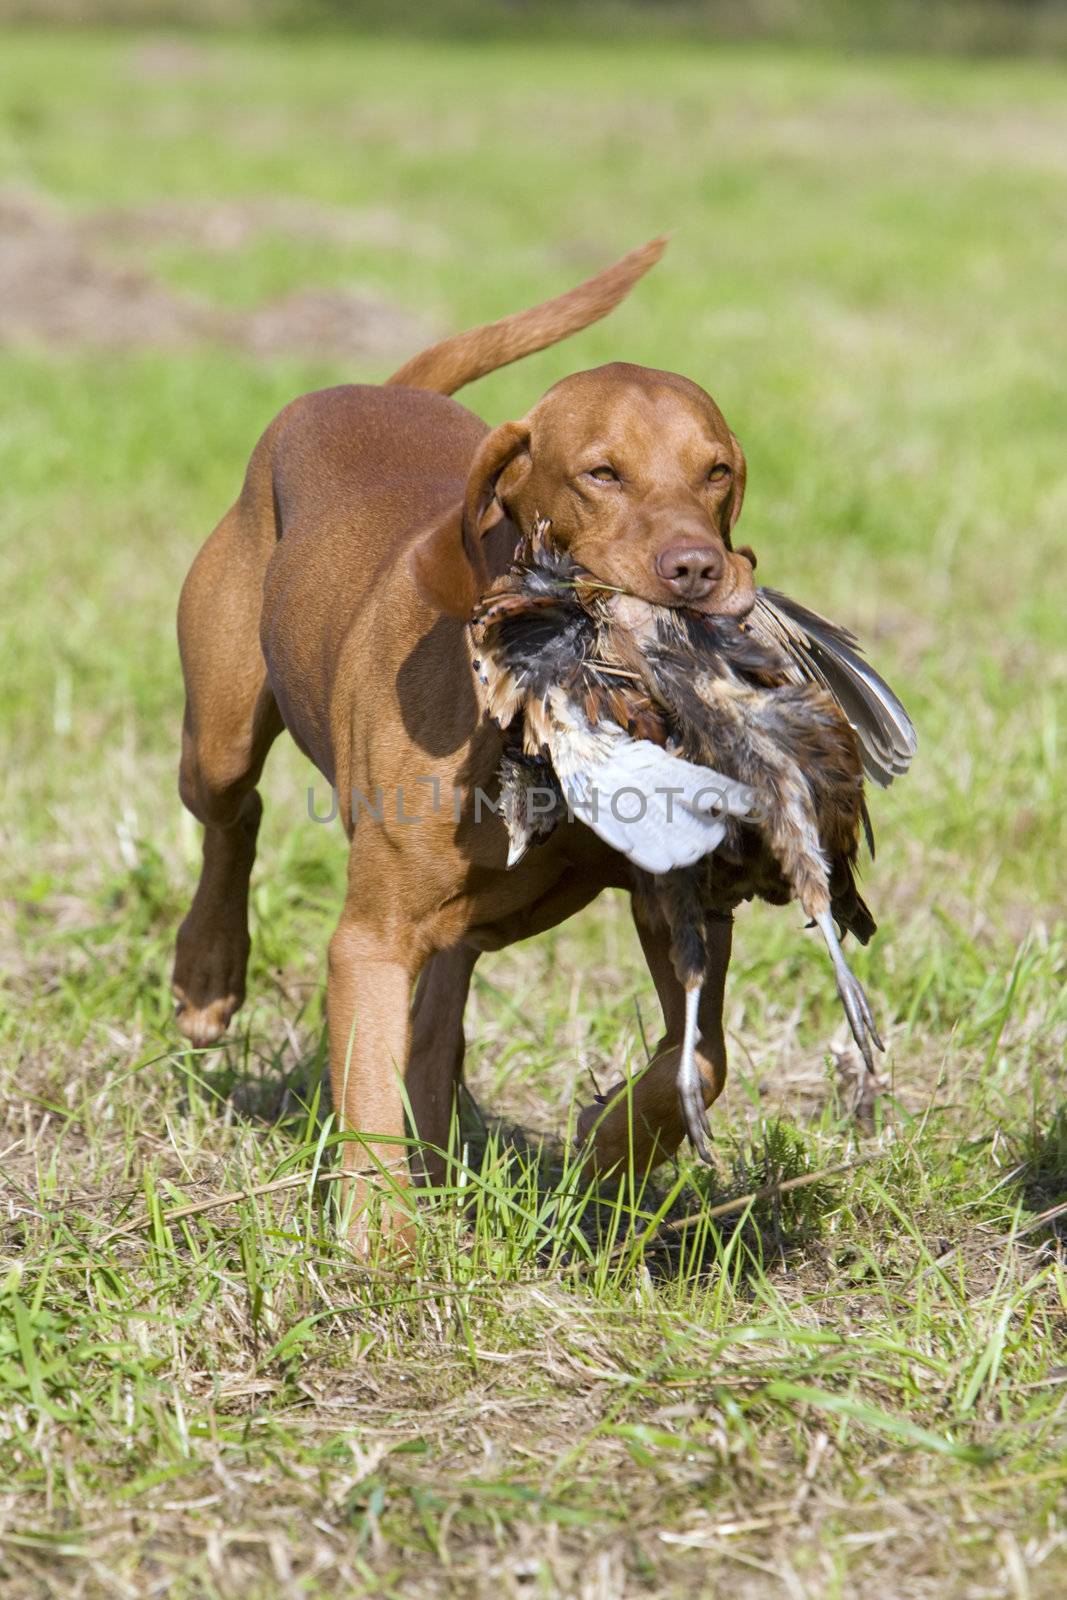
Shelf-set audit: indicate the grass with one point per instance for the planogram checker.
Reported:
(846, 1388)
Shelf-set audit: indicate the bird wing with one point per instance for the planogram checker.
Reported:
(656, 808)
(826, 654)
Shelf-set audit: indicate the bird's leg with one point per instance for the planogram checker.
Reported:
(640, 1122)
(857, 1007)
(679, 903)
(690, 1088)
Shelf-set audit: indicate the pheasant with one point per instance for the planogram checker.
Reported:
(740, 746)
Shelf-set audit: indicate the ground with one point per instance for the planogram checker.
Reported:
(852, 1388)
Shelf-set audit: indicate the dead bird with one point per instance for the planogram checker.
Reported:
(740, 745)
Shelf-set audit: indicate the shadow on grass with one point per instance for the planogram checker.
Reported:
(663, 1219)
(1041, 1180)
(276, 1086)
(669, 1210)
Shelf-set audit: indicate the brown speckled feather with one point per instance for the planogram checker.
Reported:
(590, 682)
(723, 694)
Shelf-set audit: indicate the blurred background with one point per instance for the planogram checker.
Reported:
(956, 25)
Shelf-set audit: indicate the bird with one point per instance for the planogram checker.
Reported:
(740, 744)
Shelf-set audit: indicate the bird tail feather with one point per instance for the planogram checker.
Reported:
(827, 654)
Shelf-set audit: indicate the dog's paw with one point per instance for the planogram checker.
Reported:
(208, 980)
(202, 1025)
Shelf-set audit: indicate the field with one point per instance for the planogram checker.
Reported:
(850, 1388)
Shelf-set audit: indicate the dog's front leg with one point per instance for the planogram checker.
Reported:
(642, 1120)
(368, 994)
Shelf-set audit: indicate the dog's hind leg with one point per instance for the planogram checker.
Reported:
(231, 720)
(435, 1059)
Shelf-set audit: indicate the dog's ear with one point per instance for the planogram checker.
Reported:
(446, 561)
(737, 486)
(500, 468)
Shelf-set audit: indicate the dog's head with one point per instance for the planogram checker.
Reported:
(640, 478)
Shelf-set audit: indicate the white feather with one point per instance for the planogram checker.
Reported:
(656, 808)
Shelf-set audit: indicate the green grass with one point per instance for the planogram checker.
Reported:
(850, 1388)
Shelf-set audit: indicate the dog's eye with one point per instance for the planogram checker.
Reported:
(718, 472)
(603, 474)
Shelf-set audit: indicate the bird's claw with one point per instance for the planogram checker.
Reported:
(860, 1018)
(857, 1007)
(695, 1117)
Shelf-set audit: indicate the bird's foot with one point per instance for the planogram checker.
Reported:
(695, 1117)
(857, 1007)
(858, 1011)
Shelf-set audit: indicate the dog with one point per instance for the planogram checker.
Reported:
(332, 600)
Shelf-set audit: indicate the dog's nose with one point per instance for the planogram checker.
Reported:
(691, 570)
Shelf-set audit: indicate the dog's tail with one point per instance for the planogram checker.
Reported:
(447, 366)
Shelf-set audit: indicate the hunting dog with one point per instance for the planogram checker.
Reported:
(332, 600)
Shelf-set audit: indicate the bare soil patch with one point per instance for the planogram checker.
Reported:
(222, 226)
(161, 59)
(61, 285)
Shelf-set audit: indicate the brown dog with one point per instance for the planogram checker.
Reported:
(331, 600)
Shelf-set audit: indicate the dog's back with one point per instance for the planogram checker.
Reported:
(356, 474)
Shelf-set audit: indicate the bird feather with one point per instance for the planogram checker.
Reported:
(822, 652)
